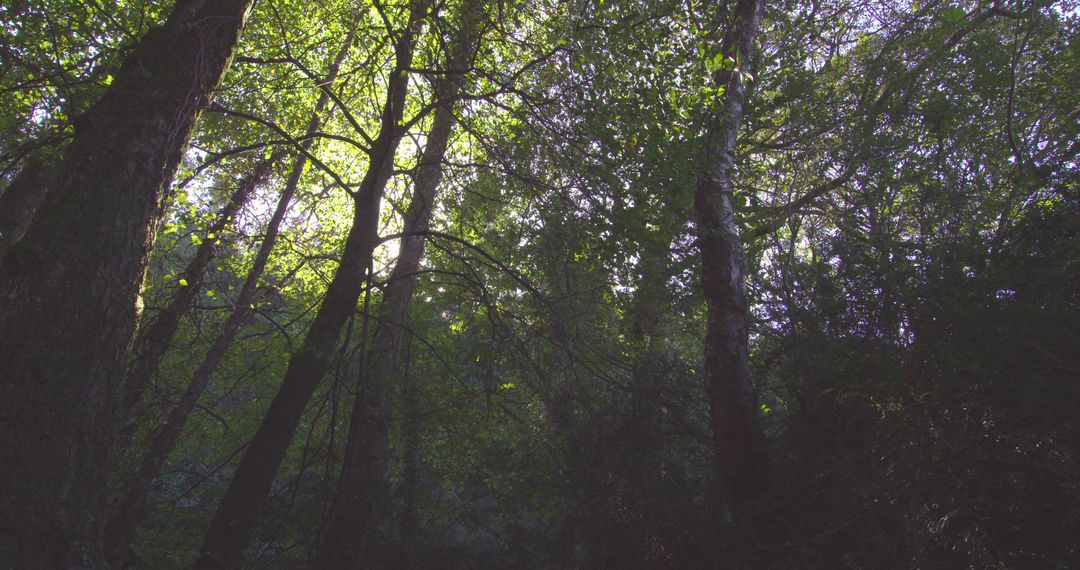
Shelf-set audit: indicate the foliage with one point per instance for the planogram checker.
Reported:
(908, 196)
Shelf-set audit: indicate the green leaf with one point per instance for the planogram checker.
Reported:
(183, 282)
(953, 15)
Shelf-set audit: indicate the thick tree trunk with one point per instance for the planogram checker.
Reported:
(131, 508)
(69, 290)
(363, 476)
(245, 498)
(741, 452)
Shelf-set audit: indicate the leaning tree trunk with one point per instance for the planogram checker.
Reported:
(131, 507)
(742, 456)
(153, 342)
(363, 475)
(128, 511)
(244, 500)
(69, 290)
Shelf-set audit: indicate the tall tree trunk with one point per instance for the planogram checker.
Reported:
(131, 507)
(153, 341)
(69, 290)
(741, 452)
(363, 476)
(245, 498)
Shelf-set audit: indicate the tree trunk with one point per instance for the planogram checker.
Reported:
(21, 199)
(411, 530)
(741, 452)
(245, 498)
(643, 440)
(131, 508)
(154, 341)
(69, 290)
(363, 476)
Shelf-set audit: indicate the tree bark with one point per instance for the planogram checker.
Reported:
(131, 508)
(21, 199)
(245, 498)
(363, 481)
(69, 290)
(741, 451)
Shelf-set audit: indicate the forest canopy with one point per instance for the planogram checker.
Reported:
(542, 284)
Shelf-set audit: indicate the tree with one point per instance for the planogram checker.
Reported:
(363, 479)
(741, 449)
(634, 284)
(70, 287)
(239, 510)
(130, 509)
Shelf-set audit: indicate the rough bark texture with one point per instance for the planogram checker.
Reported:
(69, 289)
(363, 480)
(245, 498)
(741, 451)
(21, 199)
(130, 509)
